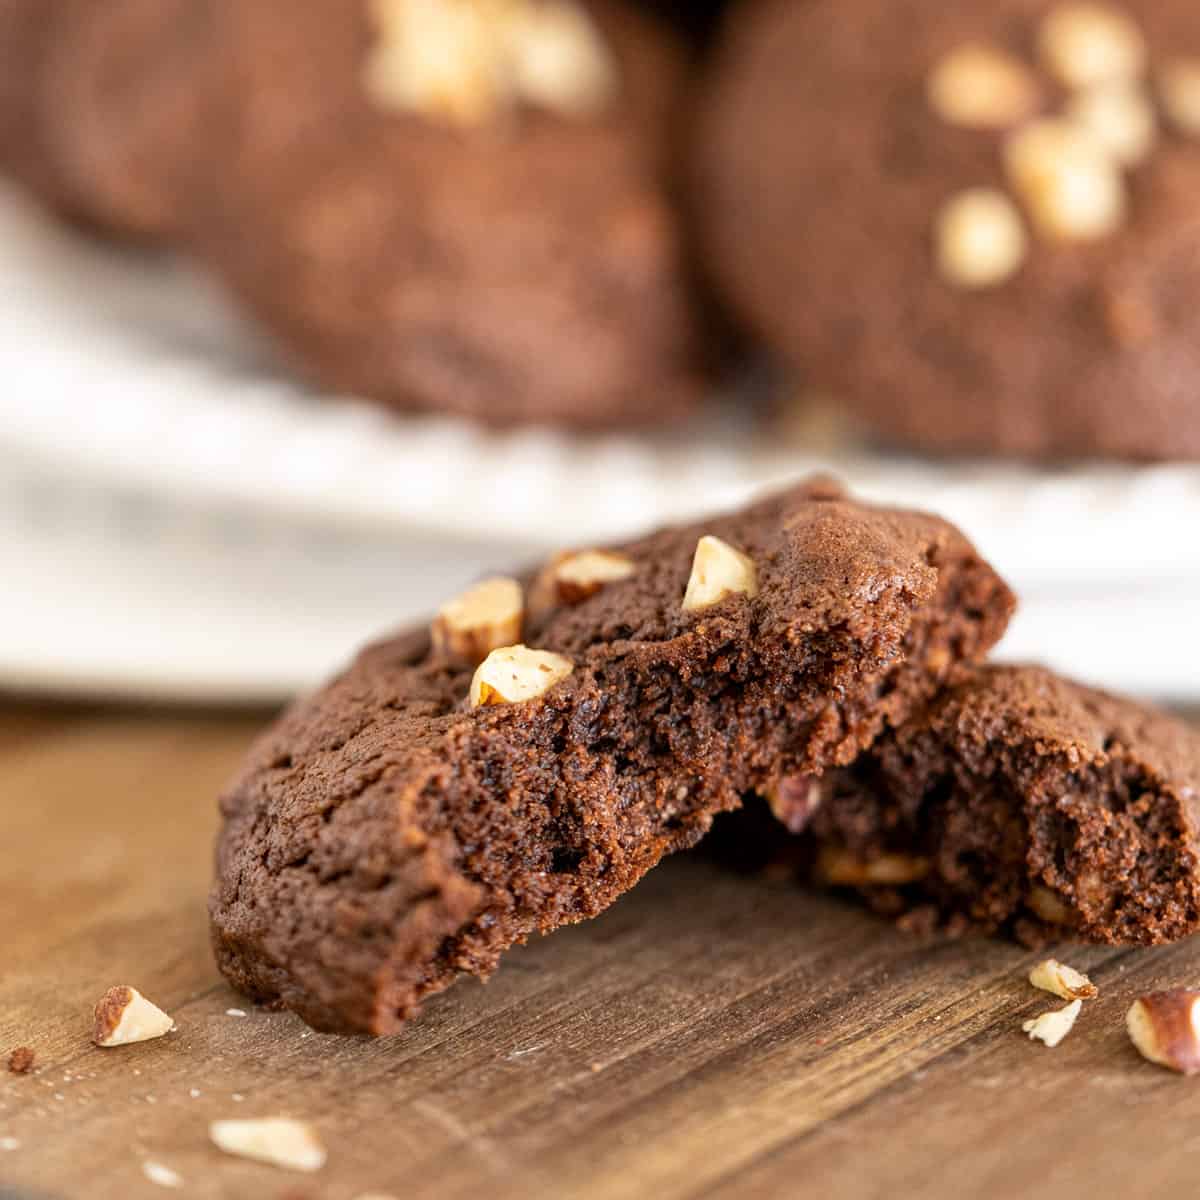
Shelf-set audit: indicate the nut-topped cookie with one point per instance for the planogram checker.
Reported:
(975, 224)
(448, 796)
(459, 205)
(1022, 802)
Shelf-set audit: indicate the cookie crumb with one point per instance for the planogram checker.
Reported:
(163, 1176)
(21, 1060)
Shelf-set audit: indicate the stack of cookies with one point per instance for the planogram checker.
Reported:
(973, 225)
(524, 759)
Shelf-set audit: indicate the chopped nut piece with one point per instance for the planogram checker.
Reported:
(1118, 117)
(467, 61)
(718, 570)
(980, 239)
(163, 1176)
(279, 1141)
(1070, 185)
(795, 799)
(1052, 1027)
(484, 618)
(124, 1015)
(575, 577)
(1091, 43)
(844, 869)
(1179, 89)
(21, 1060)
(1064, 981)
(1049, 907)
(515, 673)
(560, 61)
(980, 87)
(1165, 1027)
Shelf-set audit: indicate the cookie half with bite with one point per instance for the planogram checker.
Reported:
(527, 758)
(1024, 803)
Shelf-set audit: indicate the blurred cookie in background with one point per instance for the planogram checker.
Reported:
(977, 225)
(462, 206)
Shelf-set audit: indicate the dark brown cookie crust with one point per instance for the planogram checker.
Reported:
(384, 838)
(1029, 805)
(820, 167)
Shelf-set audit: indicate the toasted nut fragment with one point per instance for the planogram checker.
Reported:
(560, 61)
(1091, 43)
(162, 1175)
(718, 570)
(575, 577)
(124, 1015)
(844, 869)
(279, 1141)
(1119, 117)
(980, 239)
(1070, 185)
(795, 799)
(980, 87)
(466, 61)
(515, 674)
(484, 618)
(1052, 1027)
(1049, 907)
(1165, 1027)
(1179, 89)
(1064, 981)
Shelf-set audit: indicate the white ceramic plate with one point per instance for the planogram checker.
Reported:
(221, 533)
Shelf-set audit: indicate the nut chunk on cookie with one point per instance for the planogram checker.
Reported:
(1041, 808)
(420, 815)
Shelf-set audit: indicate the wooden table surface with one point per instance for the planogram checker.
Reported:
(709, 1036)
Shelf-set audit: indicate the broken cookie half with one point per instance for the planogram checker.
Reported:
(1036, 806)
(446, 797)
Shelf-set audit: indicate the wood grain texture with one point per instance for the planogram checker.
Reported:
(709, 1036)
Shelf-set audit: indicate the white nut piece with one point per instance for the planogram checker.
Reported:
(1049, 906)
(718, 570)
(560, 61)
(482, 619)
(980, 87)
(466, 61)
(980, 239)
(1165, 1027)
(279, 1141)
(123, 1016)
(1052, 1027)
(1179, 90)
(1061, 980)
(1118, 117)
(843, 869)
(439, 58)
(1071, 188)
(161, 1175)
(575, 577)
(1088, 43)
(514, 674)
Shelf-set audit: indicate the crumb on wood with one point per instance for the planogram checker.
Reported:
(21, 1060)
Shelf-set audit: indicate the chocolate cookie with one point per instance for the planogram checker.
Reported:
(500, 247)
(26, 27)
(122, 95)
(975, 223)
(1022, 802)
(424, 811)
